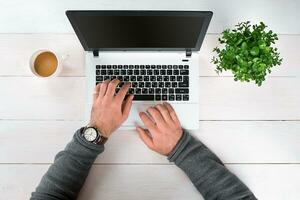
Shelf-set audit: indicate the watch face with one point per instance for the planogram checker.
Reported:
(90, 134)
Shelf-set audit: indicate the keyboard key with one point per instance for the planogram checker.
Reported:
(179, 78)
(159, 78)
(161, 84)
(152, 66)
(126, 78)
(178, 97)
(144, 90)
(174, 84)
(162, 72)
(142, 66)
(136, 72)
(147, 84)
(97, 66)
(151, 91)
(110, 72)
(129, 72)
(146, 78)
(164, 91)
(113, 77)
(120, 78)
(139, 78)
(134, 84)
(103, 72)
(130, 66)
(172, 97)
(108, 66)
(164, 97)
(143, 72)
(141, 84)
(171, 90)
(154, 84)
(131, 91)
(181, 90)
(123, 72)
(149, 72)
(132, 78)
(172, 78)
(184, 72)
(147, 66)
(164, 66)
(115, 67)
(106, 78)
(185, 66)
(138, 90)
(143, 98)
(158, 91)
(136, 66)
(175, 66)
(152, 78)
(116, 72)
(166, 78)
(167, 84)
(99, 78)
(156, 72)
(176, 72)
(158, 67)
(97, 72)
(125, 66)
(169, 66)
(120, 66)
(185, 97)
(169, 72)
(184, 84)
(158, 97)
(180, 66)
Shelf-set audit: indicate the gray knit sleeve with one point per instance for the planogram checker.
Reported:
(67, 174)
(207, 171)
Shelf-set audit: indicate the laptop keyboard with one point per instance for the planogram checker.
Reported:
(149, 82)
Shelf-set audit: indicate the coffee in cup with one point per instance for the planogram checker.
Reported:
(45, 63)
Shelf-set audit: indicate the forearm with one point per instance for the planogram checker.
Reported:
(206, 171)
(67, 174)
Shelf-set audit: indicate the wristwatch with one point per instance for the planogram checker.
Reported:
(92, 135)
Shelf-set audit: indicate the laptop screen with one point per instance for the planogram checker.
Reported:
(140, 30)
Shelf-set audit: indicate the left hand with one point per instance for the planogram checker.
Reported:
(109, 109)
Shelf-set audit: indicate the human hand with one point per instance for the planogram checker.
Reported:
(109, 109)
(163, 128)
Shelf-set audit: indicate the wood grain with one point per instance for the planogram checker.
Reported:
(24, 45)
(149, 182)
(49, 16)
(232, 141)
(63, 98)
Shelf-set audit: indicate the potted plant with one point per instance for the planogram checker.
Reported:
(247, 52)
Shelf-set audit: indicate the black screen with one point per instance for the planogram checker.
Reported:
(140, 32)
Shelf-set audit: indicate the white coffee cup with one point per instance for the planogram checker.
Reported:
(59, 62)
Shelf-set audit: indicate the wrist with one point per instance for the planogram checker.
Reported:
(100, 128)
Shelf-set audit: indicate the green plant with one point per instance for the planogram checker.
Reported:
(247, 52)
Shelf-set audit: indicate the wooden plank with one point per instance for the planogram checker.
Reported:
(49, 16)
(63, 98)
(153, 181)
(16, 50)
(35, 98)
(232, 141)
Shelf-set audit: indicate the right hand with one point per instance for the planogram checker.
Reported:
(163, 128)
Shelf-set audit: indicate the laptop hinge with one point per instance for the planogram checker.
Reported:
(96, 53)
(188, 53)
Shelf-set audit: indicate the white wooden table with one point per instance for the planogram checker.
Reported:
(254, 130)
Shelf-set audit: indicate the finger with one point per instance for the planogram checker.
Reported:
(145, 137)
(103, 88)
(111, 88)
(96, 92)
(122, 93)
(127, 107)
(155, 114)
(148, 122)
(172, 112)
(164, 112)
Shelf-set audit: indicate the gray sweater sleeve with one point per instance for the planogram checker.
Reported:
(67, 174)
(207, 172)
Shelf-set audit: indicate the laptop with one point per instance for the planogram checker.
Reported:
(156, 51)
